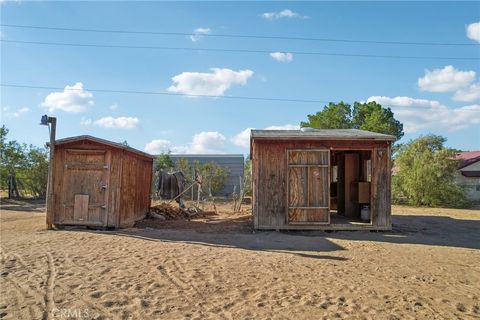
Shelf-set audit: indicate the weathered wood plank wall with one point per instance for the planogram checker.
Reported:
(269, 176)
(117, 181)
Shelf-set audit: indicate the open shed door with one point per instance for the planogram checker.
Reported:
(84, 187)
(308, 190)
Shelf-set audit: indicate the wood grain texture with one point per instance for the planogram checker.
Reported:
(381, 188)
(270, 183)
(117, 182)
(308, 186)
(80, 210)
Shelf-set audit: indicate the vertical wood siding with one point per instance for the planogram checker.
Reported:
(270, 176)
(126, 177)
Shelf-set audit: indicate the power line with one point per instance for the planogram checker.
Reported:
(198, 95)
(234, 50)
(241, 36)
(164, 93)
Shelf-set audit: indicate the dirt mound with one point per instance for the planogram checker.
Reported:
(167, 211)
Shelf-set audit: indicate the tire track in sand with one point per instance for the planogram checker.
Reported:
(49, 289)
(183, 285)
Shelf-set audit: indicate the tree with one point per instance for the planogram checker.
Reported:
(426, 174)
(164, 162)
(369, 116)
(333, 116)
(35, 174)
(213, 175)
(12, 158)
(247, 174)
(22, 167)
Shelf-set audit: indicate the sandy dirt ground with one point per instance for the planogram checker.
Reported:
(428, 267)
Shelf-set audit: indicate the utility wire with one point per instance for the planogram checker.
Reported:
(163, 93)
(241, 36)
(234, 50)
(197, 95)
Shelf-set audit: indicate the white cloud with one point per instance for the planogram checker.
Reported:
(282, 56)
(120, 122)
(197, 36)
(242, 139)
(286, 13)
(2, 2)
(203, 142)
(71, 99)
(468, 94)
(17, 113)
(445, 80)
(473, 31)
(422, 114)
(214, 83)
(113, 106)
(85, 121)
(158, 146)
(114, 123)
(284, 127)
(404, 101)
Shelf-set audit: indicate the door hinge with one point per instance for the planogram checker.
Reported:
(103, 207)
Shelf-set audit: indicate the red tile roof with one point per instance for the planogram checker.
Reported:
(467, 158)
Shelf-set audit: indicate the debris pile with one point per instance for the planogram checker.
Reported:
(167, 211)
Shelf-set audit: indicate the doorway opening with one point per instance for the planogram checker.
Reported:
(350, 187)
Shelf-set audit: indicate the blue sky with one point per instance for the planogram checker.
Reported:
(438, 96)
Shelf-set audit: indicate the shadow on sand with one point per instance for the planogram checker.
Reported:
(417, 229)
(22, 205)
(268, 241)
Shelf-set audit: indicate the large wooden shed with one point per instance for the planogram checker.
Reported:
(99, 183)
(321, 179)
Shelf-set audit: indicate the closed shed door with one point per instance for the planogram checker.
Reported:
(84, 187)
(308, 186)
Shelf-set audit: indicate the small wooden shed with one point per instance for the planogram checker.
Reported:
(99, 183)
(330, 179)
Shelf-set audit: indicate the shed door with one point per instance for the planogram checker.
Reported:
(308, 186)
(85, 185)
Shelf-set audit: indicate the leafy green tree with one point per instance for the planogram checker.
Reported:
(35, 174)
(426, 174)
(247, 174)
(372, 116)
(164, 162)
(12, 159)
(333, 116)
(187, 169)
(369, 116)
(22, 168)
(213, 175)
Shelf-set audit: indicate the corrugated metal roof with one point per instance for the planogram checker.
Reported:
(101, 141)
(318, 134)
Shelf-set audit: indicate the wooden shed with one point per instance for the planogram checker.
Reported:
(99, 183)
(321, 179)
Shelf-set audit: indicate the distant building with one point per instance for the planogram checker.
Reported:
(233, 162)
(469, 174)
